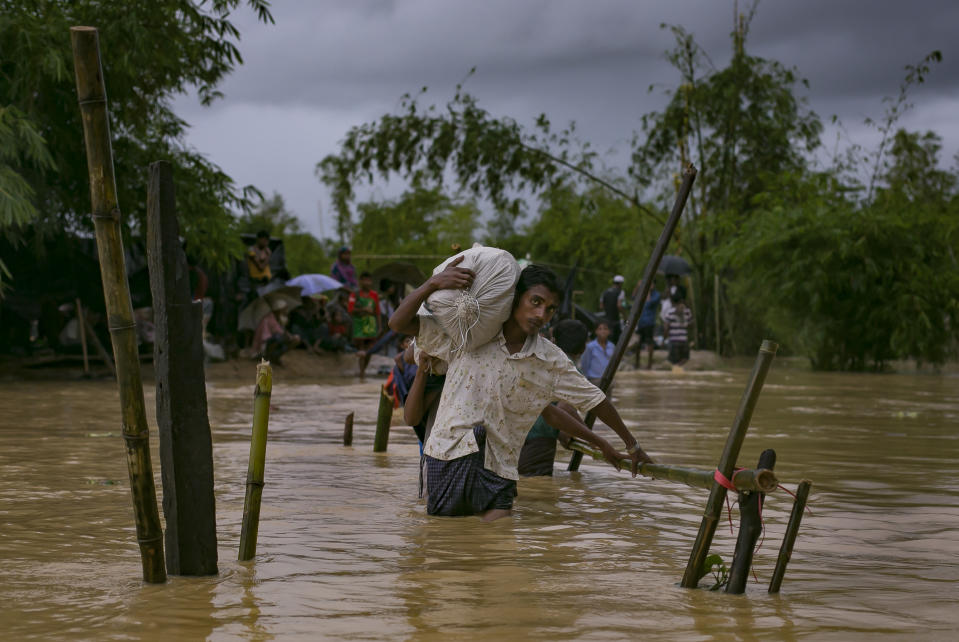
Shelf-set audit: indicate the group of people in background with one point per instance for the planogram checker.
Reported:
(668, 312)
(350, 319)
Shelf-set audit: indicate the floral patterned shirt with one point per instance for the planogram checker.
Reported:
(504, 392)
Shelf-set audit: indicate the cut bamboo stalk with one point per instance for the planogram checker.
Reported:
(255, 470)
(744, 480)
(383, 418)
(789, 539)
(106, 218)
(634, 313)
(727, 462)
(348, 430)
(750, 527)
(82, 331)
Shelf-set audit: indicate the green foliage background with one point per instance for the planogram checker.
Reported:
(850, 260)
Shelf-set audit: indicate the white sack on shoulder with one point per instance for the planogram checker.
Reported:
(473, 317)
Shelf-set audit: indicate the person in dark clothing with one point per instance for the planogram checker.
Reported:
(539, 452)
(647, 325)
(613, 301)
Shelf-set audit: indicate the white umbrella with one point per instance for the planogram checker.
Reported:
(312, 284)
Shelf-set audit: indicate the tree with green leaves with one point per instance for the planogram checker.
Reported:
(152, 51)
(422, 222)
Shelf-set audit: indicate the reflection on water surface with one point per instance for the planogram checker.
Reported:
(346, 551)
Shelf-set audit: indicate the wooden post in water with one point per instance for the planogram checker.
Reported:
(688, 177)
(789, 539)
(106, 219)
(186, 447)
(750, 527)
(254, 473)
(348, 430)
(384, 416)
(82, 331)
(727, 462)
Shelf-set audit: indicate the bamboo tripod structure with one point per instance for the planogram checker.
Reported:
(106, 219)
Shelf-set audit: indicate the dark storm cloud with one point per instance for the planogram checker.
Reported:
(327, 65)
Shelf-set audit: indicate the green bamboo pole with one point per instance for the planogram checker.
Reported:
(744, 480)
(727, 462)
(254, 472)
(640, 299)
(384, 417)
(789, 539)
(106, 219)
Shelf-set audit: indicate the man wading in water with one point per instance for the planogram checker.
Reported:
(494, 393)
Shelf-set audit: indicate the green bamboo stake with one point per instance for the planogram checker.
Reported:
(727, 462)
(792, 529)
(254, 473)
(761, 480)
(384, 417)
(92, 96)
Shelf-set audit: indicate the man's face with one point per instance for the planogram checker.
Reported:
(366, 282)
(262, 242)
(346, 256)
(602, 332)
(535, 308)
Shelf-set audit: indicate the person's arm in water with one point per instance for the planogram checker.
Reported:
(417, 401)
(606, 413)
(404, 320)
(569, 424)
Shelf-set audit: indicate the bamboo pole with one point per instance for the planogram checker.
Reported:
(384, 416)
(789, 539)
(744, 480)
(255, 470)
(750, 527)
(348, 430)
(727, 462)
(106, 218)
(82, 331)
(640, 299)
(716, 312)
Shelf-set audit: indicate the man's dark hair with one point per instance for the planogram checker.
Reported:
(602, 321)
(570, 335)
(537, 275)
(366, 275)
(262, 234)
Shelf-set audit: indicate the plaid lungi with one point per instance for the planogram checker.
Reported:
(463, 486)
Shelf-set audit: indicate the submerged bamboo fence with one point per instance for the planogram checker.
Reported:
(106, 219)
(727, 462)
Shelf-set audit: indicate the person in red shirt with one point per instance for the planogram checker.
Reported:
(364, 307)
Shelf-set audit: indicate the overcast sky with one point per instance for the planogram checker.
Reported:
(328, 65)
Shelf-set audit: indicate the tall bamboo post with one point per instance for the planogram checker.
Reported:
(640, 299)
(750, 527)
(384, 416)
(82, 331)
(106, 218)
(255, 470)
(716, 312)
(789, 539)
(727, 462)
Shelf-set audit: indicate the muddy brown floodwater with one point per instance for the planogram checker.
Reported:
(346, 550)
